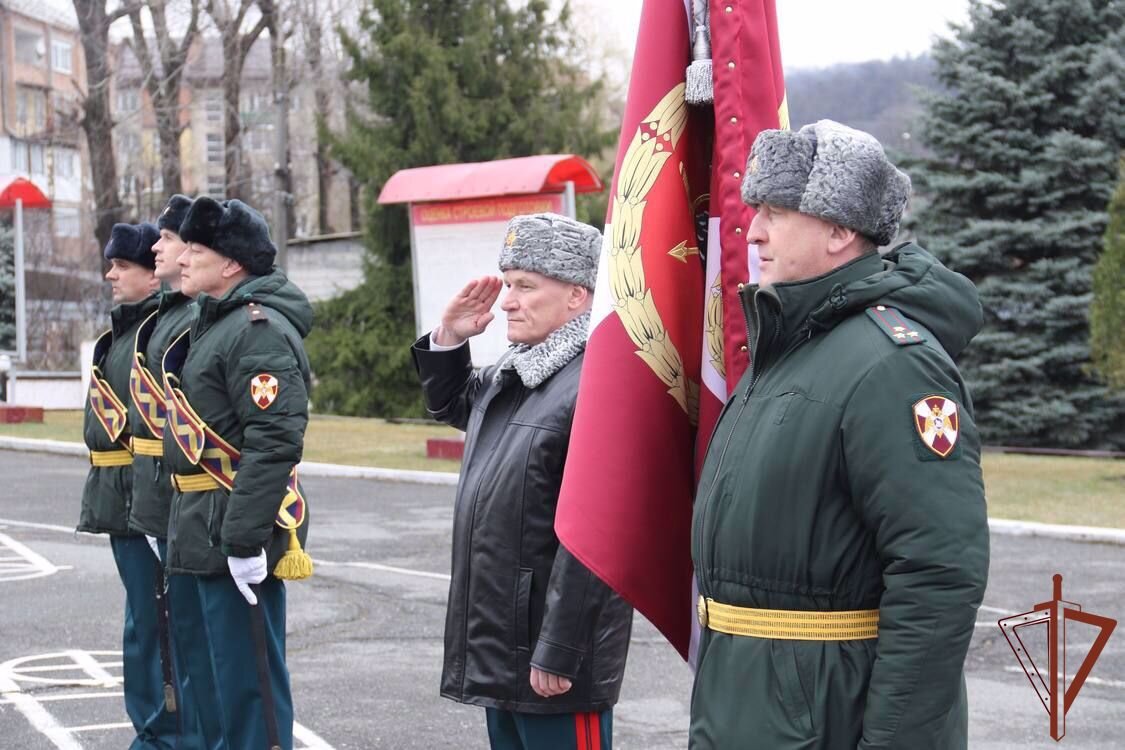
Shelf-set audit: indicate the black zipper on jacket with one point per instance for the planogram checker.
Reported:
(755, 373)
(757, 354)
(473, 516)
(803, 335)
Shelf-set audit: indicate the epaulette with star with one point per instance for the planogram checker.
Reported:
(898, 329)
(256, 313)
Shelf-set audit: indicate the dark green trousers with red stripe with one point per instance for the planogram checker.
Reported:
(511, 730)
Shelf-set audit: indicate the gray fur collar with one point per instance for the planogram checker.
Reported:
(534, 364)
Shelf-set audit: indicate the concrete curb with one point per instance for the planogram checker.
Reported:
(312, 469)
(1002, 526)
(1100, 534)
(30, 445)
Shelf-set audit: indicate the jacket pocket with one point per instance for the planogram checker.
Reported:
(784, 401)
(523, 606)
(790, 690)
(217, 508)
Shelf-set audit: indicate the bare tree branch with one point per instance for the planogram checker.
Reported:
(121, 11)
(251, 36)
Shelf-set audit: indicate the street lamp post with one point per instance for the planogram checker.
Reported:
(21, 292)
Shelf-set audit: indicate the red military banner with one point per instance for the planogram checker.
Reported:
(664, 319)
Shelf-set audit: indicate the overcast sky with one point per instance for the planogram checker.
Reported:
(814, 33)
(819, 33)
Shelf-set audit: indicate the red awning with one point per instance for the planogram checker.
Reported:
(523, 176)
(25, 190)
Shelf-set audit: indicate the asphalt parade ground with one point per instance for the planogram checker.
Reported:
(365, 633)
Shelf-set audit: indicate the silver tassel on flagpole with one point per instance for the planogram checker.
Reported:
(700, 88)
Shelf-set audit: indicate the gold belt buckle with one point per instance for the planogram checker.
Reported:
(701, 611)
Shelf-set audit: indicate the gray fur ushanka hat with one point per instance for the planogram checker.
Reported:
(830, 171)
(553, 245)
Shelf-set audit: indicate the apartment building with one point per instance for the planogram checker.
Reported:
(202, 145)
(42, 81)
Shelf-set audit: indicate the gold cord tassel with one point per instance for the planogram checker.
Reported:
(295, 564)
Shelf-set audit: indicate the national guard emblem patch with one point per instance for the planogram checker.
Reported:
(938, 423)
(263, 389)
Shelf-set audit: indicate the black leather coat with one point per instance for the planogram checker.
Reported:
(517, 598)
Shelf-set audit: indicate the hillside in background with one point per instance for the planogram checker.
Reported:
(880, 97)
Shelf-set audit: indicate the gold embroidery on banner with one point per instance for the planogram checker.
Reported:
(713, 330)
(655, 140)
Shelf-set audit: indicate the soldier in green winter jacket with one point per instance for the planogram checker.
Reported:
(840, 539)
(108, 493)
(184, 658)
(237, 388)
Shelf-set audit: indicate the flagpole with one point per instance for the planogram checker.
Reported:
(570, 203)
(21, 301)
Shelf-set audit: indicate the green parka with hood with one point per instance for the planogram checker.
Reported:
(820, 491)
(230, 347)
(109, 489)
(152, 485)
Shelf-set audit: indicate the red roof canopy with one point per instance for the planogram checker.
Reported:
(522, 176)
(25, 190)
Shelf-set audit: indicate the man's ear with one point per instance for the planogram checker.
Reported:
(232, 268)
(579, 296)
(842, 239)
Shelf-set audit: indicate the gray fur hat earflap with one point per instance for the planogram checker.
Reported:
(830, 171)
(553, 245)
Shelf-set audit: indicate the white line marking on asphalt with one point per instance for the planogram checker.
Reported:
(316, 561)
(34, 565)
(101, 727)
(384, 568)
(64, 667)
(1089, 680)
(996, 610)
(42, 720)
(75, 697)
(44, 526)
(310, 738)
(17, 670)
(94, 668)
(13, 671)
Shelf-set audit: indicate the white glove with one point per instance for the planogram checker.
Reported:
(152, 543)
(248, 570)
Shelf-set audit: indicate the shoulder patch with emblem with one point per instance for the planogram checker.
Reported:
(263, 389)
(898, 329)
(256, 313)
(938, 423)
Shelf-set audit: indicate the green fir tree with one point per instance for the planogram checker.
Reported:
(7, 289)
(447, 81)
(1025, 140)
(1107, 316)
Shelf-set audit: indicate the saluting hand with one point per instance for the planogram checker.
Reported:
(468, 313)
(548, 685)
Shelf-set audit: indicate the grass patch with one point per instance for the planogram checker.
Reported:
(56, 425)
(374, 442)
(338, 440)
(1056, 489)
(1048, 489)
